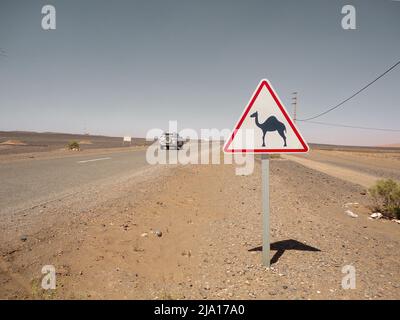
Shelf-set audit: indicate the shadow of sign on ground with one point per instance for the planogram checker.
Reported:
(281, 246)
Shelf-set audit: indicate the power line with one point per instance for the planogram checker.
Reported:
(352, 96)
(348, 126)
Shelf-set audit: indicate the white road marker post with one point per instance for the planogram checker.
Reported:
(265, 209)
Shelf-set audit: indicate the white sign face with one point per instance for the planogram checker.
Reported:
(265, 126)
(127, 139)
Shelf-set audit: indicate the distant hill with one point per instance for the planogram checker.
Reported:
(392, 145)
(12, 142)
(381, 148)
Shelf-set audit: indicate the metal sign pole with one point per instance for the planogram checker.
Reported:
(265, 208)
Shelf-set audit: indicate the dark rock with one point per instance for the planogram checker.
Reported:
(158, 233)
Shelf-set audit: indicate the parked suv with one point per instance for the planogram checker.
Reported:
(171, 140)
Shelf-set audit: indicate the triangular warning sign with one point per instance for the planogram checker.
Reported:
(265, 126)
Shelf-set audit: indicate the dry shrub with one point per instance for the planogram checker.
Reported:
(73, 145)
(386, 196)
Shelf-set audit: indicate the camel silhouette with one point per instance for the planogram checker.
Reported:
(271, 124)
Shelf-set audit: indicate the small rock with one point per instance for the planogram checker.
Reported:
(396, 220)
(187, 253)
(351, 214)
(351, 204)
(23, 238)
(158, 233)
(376, 215)
(145, 234)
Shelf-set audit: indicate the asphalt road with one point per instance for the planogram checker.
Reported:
(28, 183)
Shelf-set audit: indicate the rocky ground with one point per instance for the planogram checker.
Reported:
(195, 232)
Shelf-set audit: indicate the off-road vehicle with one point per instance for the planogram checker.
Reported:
(171, 141)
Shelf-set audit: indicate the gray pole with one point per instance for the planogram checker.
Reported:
(265, 208)
(294, 103)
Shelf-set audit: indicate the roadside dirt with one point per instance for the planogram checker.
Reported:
(103, 244)
(363, 179)
(364, 166)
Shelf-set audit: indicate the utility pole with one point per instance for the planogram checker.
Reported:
(294, 104)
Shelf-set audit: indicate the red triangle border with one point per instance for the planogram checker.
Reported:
(288, 119)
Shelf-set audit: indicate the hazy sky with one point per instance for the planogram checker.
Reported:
(123, 67)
